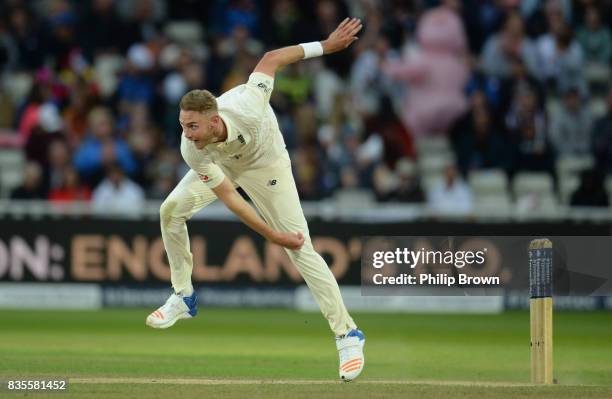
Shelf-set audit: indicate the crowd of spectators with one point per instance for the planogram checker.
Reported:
(508, 82)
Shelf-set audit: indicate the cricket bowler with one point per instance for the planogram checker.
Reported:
(234, 141)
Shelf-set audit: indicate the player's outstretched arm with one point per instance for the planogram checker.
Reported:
(344, 35)
(234, 201)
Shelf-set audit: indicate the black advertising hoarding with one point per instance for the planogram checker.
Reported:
(132, 252)
(112, 251)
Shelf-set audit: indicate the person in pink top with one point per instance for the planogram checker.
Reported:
(436, 74)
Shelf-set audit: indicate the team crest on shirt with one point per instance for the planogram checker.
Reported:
(204, 178)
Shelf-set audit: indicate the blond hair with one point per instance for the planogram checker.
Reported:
(198, 100)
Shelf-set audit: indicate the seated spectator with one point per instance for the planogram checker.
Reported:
(561, 57)
(591, 191)
(101, 148)
(570, 125)
(531, 150)
(480, 144)
(530, 146)
(452, 195)
(511, 43)
(519, 79)
(384, 182)
(163, 171)
(595, 39)
(70, 189)
(31, 188)
(136, 85)
(408, 187)
(602, 139)
(117, 193)
(83, 97)
(48, 128)
(397, 140)
(40, 93)
(59, 158)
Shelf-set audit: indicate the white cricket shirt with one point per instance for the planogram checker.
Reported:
(253, 140)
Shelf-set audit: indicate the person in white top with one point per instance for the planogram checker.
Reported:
(234, 141)
(117, 194)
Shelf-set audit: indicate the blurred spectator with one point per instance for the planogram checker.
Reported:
(39, 94)
(101, 30)
(397, 141)
(328, 14)
(31, 188)
(595, 39)
(482, 19)
(101, 148)
(163, 174)
(570, 125)
(581, 8)
(602, 139)
(368, 84)
(451, 195)
(239, 13)
(436, 75)
(59, 158)
(591, 191)
(26, 38)
(526, 123)
(561, 57)
(519, 79)
(280, 25)
(385, 183)
(83, 97)
(510, 43)
(143, 139)
(136, 85)
(61, 38)
(293, 84)
(70, 189)
(408, 187)
(143, 18)
(117, 193)
(479, 142)
(307, 172)
(48, 128)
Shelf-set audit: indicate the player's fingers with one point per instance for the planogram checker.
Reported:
(353, 30)
(354, 22)
(356, 28)
(348, 25)
(343, 23)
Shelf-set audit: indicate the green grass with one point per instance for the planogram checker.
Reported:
(286, 345)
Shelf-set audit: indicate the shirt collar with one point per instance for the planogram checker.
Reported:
(231, 131)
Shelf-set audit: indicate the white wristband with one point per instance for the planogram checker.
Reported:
(312, 49)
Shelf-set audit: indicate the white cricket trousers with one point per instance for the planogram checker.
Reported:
(273, 191)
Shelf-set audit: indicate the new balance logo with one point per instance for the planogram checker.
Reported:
(263, 86)
(204, 178)
(272, 182)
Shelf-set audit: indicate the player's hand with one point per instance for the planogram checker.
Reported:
(293, 241)
(343, 36)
